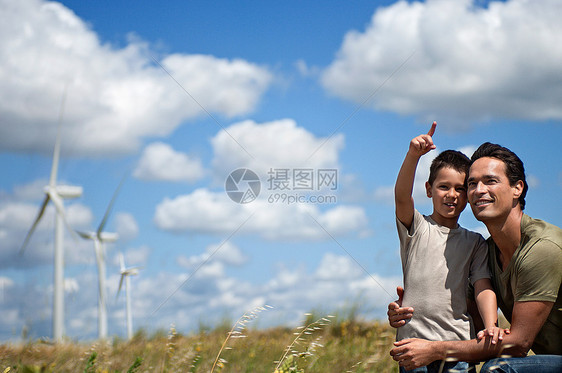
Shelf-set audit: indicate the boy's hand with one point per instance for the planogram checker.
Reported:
(422, 144)
(398, 315)
(495, 333)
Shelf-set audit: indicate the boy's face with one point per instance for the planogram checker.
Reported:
(448, 194)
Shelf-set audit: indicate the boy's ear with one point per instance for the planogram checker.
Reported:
(428, 189)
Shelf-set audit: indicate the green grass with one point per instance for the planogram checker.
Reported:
(321, 345)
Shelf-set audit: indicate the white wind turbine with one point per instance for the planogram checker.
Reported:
(125, 273)
(100, 238)
(56, 194)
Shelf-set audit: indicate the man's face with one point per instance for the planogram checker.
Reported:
(489, 192)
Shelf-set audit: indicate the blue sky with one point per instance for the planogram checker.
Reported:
(176, 97)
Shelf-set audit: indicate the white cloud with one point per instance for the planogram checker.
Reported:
(78, 215)
(204, 211)
(533, 181)
(468, 150)
(265, 148)
(16, 219)
(226, 253)
(6, 282)
(468, 63)
(17, 216)
(384, 194)
(480, 229)
(127, 226)
(277, 144)
(422, 175)
(71, 285)
(341, 220)
(133, 256)
(31, 191)
(208, 296)
(292, 291)
(116, 97)
(306, 70)
(160, 161)
(336, 267)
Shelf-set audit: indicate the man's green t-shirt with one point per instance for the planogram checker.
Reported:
(533, 274)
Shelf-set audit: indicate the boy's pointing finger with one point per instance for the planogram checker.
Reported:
(432, 129)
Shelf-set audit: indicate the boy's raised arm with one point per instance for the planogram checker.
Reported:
(403, 199)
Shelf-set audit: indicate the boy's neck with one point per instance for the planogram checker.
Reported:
(450, 223)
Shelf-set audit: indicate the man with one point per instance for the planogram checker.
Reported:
(525, 259)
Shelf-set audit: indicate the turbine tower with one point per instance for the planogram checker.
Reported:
(100, 238)
(56, 194)
(125, 273)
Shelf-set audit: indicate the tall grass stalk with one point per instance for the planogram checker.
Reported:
(304, 330)
(237, 332)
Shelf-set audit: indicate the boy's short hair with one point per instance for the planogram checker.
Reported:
(449, 158)
(514, 169)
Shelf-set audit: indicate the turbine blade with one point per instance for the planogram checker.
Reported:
(56, 152)
(59, 205)
(84, 235)
(34, 225)
(110, 206)
(120, 285)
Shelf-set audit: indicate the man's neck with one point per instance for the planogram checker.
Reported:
(506, 234)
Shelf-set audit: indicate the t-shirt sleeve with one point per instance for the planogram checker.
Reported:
(406, 235)
(479, 264)
(539, 276)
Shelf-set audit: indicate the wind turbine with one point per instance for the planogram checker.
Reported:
(125, 273)
(56, 194)
(100, 238)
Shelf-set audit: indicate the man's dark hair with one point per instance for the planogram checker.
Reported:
(514, 169)
(449, 158)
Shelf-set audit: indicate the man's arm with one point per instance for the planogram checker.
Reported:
(419, 146)
(527, 320)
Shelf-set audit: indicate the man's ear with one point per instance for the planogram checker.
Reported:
(518, 188)
(428, 189)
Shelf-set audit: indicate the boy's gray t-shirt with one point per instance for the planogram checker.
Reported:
(438, 263)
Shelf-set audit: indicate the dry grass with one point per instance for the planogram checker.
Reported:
(339, 346)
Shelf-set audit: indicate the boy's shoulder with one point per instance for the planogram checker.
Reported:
(463, 233)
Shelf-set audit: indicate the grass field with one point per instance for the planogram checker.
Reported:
(323, 344)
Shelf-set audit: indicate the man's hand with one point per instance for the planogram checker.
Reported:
(398, 315)
(414, 353)
(495, 333)
(422, 144)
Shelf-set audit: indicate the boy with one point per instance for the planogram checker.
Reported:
(439, 257)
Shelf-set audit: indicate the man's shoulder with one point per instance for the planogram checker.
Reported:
(534, 230)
